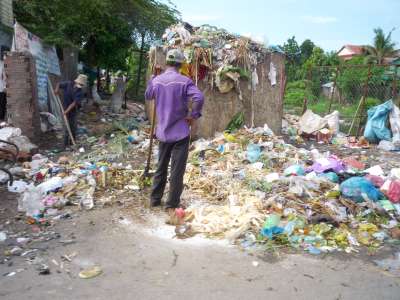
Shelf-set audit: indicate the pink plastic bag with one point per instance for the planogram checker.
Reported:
(353, 163)
(394, 191)
(376, 180)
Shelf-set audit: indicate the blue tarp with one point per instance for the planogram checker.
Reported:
(376, 129)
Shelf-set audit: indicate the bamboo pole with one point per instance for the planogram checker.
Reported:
(333, 90)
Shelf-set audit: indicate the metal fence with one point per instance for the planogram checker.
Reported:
(351, 90)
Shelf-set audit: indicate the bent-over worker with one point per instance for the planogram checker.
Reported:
(171, 92)
(73, 94)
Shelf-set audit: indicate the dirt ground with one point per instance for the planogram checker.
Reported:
(143, 261)
(141, 258)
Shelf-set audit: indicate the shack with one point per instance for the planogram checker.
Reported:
(236, 74)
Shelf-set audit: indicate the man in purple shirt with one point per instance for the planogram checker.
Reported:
(172, 92)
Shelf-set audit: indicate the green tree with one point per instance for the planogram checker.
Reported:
(103, 30)
(382, 47)
(352, 80)
(293, 52)
(306, 48)
(147, 30)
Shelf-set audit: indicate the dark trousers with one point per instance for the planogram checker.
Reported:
(3, 106)
(72, 120)
(177, 152)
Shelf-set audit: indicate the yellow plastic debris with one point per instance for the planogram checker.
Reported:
(90, 272)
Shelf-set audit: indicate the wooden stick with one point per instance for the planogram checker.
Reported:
(356, 114)
(333, 90)
(153, 122)
(63, 113)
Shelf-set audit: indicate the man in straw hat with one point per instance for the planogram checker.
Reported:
(73, 94)
(171, 92)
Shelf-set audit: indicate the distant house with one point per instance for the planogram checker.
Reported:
(394, 59)
(347, 52)
(330, 90)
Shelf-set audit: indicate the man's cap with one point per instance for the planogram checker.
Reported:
(175, 56)
(81, 80)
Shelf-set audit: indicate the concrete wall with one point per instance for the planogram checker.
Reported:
(219, 109)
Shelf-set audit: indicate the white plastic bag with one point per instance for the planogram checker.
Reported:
(8, 132)
(386, 146)
(18, 186)
(31, 201)
(311, 122)
(394, 118)
(272, 74)
(51, 185)
(333, 122)
(3, 177)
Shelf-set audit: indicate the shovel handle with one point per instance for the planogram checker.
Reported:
(153, 125)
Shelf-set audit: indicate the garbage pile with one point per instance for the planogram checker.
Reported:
(102, 163)
(327, 129)
(246, 185)
(312, 126)
(252, 188)
(216, 56)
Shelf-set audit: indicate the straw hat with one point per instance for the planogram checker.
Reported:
(81, 80)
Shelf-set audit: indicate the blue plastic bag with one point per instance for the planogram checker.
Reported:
(253, 152)
(354, 187)
(295, 170)
(331, 176)
(376, 129)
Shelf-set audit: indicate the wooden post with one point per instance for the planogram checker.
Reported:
(98, 79)
(309, 78)
(333, 90)
(139, 72)
(394, 87)
(364, 98)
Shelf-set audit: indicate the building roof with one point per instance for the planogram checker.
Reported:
(348, 51)
(328, 85)
(355, 49)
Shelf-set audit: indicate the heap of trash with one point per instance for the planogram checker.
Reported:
(252, 188)
(245, 185)
(382, 128)
(98, 167)
(216, 56)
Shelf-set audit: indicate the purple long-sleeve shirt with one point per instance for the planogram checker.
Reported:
(172, 92)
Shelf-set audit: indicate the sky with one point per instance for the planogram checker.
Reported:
(329, 24)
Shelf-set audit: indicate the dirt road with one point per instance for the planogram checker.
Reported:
(142, 261)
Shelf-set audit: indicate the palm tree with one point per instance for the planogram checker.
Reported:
(383, 47)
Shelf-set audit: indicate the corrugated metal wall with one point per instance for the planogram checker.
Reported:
(6, 13)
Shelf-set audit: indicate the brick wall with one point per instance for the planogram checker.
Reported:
(22, 109)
